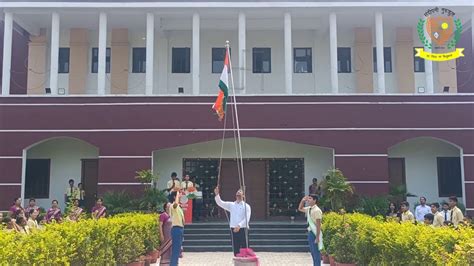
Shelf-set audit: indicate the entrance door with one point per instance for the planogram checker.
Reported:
(255, 178)
(396, 174)
(89, 178)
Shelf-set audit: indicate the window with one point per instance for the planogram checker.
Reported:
(37, 178)
(95, 59)
(449, 176)
(181, 60)
(344, 60)
(139, 60)
(63, 63)
(419, 62)
(218, 55)
(387, 56)
(303, 62)
(262, 62)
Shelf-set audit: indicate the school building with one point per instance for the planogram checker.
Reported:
(95, 91)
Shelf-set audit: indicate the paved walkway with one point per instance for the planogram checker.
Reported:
(225, 259)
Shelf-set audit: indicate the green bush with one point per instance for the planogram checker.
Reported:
(117, 240)
(372, 205)
(370, 241)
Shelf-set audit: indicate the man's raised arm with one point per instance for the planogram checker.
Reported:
(223, 204)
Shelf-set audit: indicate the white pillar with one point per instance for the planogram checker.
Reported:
(150, 41)
(429, 75)
(196, 28)
(242, 52)
(102, 53)
(7, 53)
(333, 52)
(379, 48)
(288, 53)
(53, 73)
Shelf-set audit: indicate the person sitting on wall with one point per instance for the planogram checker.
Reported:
(54, 213)
(99, 210)
(406, 216)
(173, 185)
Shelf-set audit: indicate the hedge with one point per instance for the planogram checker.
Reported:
(365, 240)
(117, 240)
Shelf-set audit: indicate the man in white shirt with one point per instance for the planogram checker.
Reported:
(421, 210)
(239, 218)
(446, 213)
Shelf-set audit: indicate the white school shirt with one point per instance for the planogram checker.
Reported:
(420, 212)
(446, 215)
(237, 212)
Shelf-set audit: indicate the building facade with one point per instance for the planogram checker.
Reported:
(113, 88)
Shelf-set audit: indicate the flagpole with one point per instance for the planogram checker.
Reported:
(227, 44)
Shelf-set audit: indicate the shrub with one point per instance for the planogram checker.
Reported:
(369, 241)
(115, 240)
(373, 205)
(119, 202)
(336, 189)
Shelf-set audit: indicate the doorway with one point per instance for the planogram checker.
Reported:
(396, 175)
(89, 179)
(256, 189)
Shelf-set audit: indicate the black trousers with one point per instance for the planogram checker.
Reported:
(239, 240)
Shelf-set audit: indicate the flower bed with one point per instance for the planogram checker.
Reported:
(117, 240)
(365, 240)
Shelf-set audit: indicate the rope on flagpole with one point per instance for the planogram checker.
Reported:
(241, 175)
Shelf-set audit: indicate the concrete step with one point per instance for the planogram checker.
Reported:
(253, 242)
(252, 225)
(256, 248)
(190, 231)
(251, 236)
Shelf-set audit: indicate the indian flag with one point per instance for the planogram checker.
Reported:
(220, 105)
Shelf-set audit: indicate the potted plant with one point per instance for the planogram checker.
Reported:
(151, 244)
(152, 196)
(344, 247)
(324, 256)
(138, 262)
(336, 189)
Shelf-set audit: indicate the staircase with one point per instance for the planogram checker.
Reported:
(264, 236)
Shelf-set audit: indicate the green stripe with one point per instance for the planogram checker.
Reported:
(225, 90)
